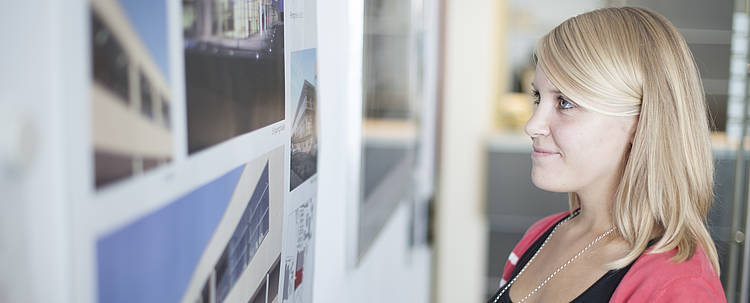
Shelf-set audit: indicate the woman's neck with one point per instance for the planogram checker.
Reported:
(595, 213)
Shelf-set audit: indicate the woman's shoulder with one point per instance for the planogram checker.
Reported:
(654, 277)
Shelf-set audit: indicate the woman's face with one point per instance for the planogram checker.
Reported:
(574, 148)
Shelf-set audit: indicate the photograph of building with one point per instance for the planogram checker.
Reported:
(244, 243)
(242, 261)
(203, 245)
(131, 98)
(268, 290)
(151, 260)
(304, 141)
(234, 68)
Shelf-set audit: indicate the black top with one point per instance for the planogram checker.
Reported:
(600, 291)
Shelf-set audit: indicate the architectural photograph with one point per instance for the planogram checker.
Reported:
(152, 258)
(249, 240)
(223, 234)
(304, 142)
(130, 93)
(242, 247)
(267, 291)
(234, 68)
(245, 240)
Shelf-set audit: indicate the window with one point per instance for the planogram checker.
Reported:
(147, 103)
(110, 63)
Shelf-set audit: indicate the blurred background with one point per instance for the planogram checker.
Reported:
(423, 181)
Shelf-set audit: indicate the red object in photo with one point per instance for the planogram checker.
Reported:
(297, 278)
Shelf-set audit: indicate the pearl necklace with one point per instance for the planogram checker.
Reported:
(558, 269)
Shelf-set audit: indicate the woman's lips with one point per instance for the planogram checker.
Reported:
(539, 152)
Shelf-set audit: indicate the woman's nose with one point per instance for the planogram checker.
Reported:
(538, 124)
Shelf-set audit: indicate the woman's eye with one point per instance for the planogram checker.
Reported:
(535, 95)
(565, 104)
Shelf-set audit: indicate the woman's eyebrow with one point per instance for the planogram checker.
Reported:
(558, 92)
(554, 91)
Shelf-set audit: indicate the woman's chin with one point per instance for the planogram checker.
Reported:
(548, 185)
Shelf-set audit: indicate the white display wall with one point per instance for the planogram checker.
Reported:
(123, 184)
(163, 230)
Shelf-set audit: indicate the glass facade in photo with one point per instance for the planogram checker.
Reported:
(234, 68)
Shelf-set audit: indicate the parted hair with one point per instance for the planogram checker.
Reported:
(631, 61)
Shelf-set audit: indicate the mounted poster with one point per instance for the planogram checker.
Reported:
(203, 147)
(202, 245)
(298, 253)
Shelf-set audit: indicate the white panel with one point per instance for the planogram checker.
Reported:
(34, 238)
(390, 271)
(472, 72)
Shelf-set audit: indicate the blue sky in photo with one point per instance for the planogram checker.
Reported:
(302, 68)
(149, 20)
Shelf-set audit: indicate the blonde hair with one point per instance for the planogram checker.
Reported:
(631, 61)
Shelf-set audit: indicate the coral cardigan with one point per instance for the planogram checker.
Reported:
(652, 278)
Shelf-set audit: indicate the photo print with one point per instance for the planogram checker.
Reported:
(244, 243)
(130, 92)
(304, 141)
(298, 267)
(268, 290)
(234, 68)
(203, 246)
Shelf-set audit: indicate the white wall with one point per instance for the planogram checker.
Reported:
(471, 84)
(35, 216)
(390, 271)
(33, 213)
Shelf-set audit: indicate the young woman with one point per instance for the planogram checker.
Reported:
(621, 125)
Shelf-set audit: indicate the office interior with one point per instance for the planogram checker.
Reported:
(412, 132)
